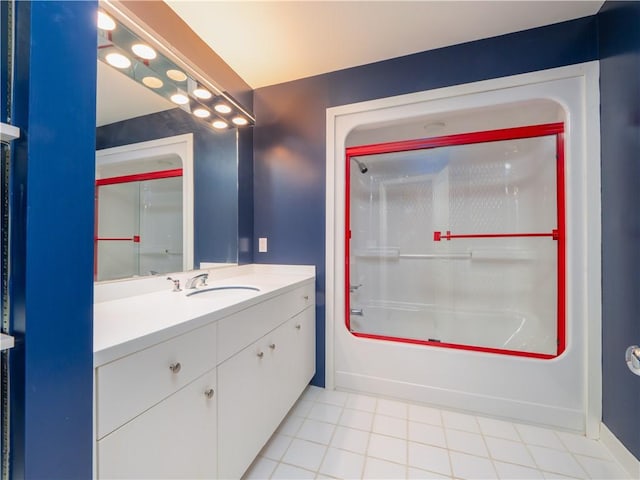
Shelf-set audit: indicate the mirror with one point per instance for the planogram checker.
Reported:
(166, 179)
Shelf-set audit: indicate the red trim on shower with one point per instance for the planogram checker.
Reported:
(459, 346)
(562, 245)
(557, 234)
(347, 241)
(139, 177)
(459, 139)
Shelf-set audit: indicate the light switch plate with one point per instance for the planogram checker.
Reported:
(262, 244)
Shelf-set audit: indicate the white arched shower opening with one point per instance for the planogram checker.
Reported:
(563, 389)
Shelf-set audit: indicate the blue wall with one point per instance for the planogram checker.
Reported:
(289, 138)
(245, 195)
(51, 241)
(619, 30)
(215, 169)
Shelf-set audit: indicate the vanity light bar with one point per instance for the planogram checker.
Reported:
(162, 72)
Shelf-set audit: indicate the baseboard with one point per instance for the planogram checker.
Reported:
(504, 408)
(624, 457)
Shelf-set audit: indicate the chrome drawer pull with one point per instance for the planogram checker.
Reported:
(298, 326)
(208, 393)
(260, 354)
(175, 367)
(306, 297)
(272, 346)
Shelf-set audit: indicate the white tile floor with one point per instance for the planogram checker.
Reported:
(331, 434)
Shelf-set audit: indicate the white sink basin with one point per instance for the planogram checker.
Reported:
(226, 290)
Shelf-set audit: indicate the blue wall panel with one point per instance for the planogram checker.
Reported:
(619, 30)
(245, 195)
(289, 138)
(51, 250)
(215, 166)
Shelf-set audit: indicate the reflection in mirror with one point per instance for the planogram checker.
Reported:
(149, 221)
(144, 200)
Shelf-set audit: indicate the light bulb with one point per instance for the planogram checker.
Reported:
(240, 121)
(179, 98)
(143, 51)
(105, 22)
(201, 113)
(219, 124)
(202, 93)
(222, 108)
(118, 60)
(152, 82)
(176, 75)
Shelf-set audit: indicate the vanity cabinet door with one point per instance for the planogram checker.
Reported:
(246, 418)
(174, 439)
(258, 386)
(302, 366)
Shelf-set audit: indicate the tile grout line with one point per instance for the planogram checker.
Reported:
(407, 420)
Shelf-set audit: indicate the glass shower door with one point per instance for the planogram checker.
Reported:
(138, 226)
(459, 241)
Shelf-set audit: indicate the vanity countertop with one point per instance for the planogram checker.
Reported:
(124, 324)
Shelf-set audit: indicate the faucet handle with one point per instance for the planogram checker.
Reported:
(176, 284)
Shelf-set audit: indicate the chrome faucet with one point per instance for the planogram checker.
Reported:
(200, 279)
(176, 284)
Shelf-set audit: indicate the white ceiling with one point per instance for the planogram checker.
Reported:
(270, 42)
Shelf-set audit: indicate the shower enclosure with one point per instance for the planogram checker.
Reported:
(138, 225)
(459, 241)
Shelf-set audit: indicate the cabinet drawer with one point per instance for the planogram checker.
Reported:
(128, 386)
(241, 329)
(175, 439)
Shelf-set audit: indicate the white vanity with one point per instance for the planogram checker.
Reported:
(192, 386)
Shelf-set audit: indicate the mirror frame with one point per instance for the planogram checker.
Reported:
(181, 145)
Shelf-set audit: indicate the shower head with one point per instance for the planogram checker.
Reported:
(363, 168)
